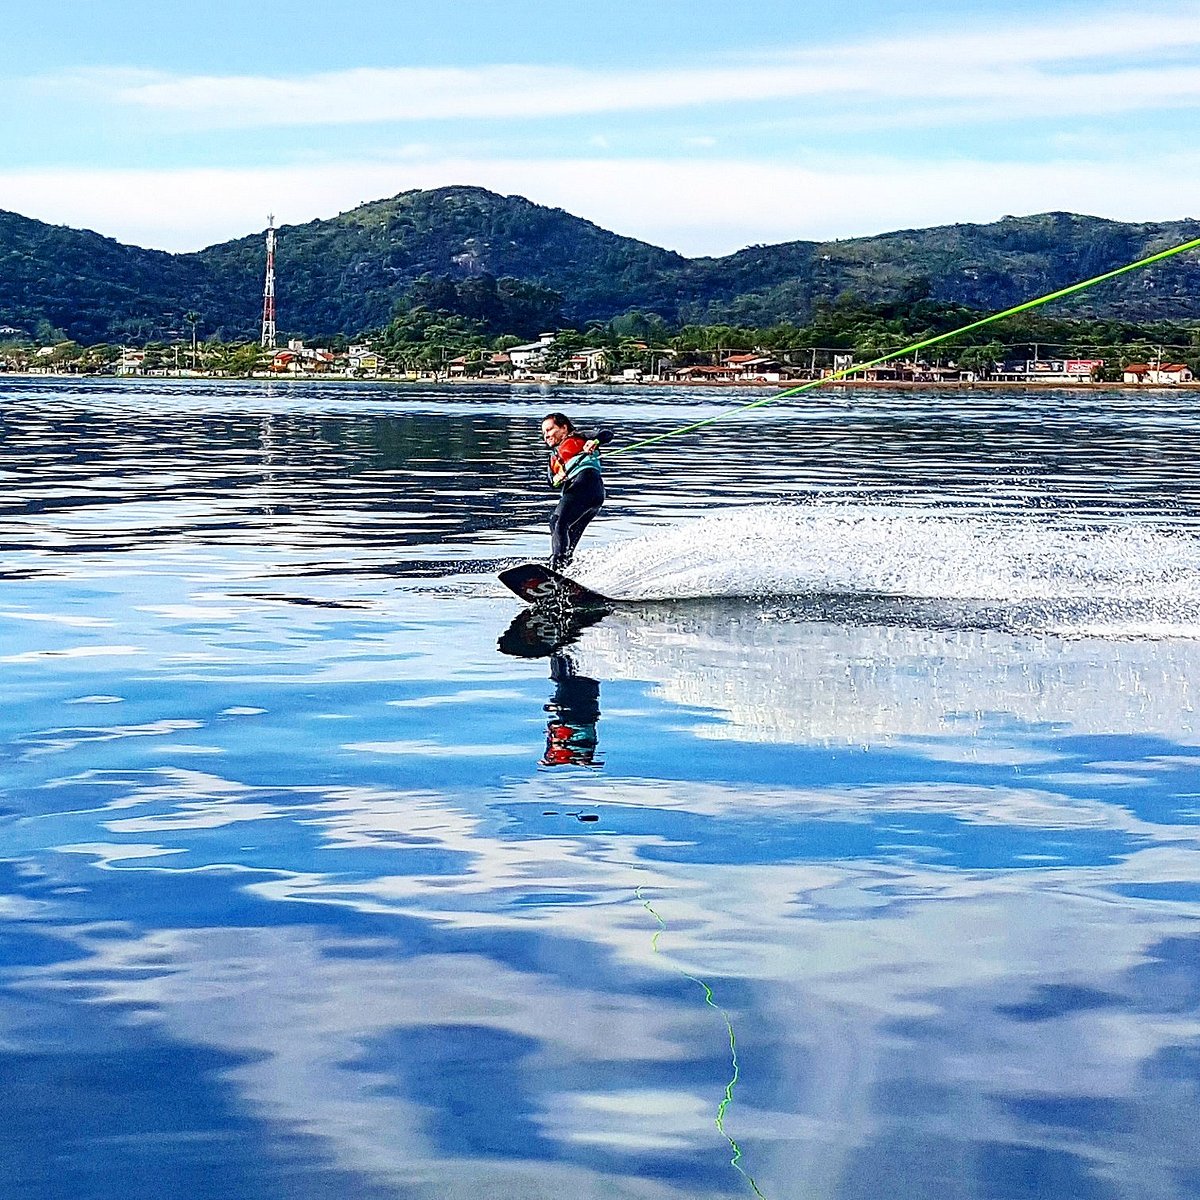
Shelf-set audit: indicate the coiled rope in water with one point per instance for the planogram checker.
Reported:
(736, 1160)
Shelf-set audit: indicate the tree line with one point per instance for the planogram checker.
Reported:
(440, 320)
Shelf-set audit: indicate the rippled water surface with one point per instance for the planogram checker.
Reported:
(853, 855)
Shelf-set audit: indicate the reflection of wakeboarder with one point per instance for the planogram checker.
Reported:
(574, 468)
(571, 737)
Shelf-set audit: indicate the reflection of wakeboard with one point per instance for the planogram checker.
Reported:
(536, 584)
(540, 631)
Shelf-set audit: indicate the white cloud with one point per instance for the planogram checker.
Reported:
(968, 79)
(698, 207)
(1116, 63)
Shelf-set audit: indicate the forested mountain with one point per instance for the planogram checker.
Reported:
(346, 274)
(983, 267)
(520, 267)
(90, 287)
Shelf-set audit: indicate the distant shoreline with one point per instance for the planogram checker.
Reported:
(620, 385)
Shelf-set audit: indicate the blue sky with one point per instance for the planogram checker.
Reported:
(702, 126)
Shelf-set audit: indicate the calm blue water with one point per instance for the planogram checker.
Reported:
(322, 877)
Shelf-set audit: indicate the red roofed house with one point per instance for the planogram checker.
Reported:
(754, 367)
(705, 374)
(299, 358)
(1156, 374)
(1172, 373)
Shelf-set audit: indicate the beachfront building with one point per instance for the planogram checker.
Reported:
(739, 367)
(1172, 373)
(703, 374)
(131, 362)
(910, 371)
(587, 366)
(1155, 373)
(478, 365)
(46, 361)
(1058, 371)
(362, 360)
(753, 368)
(527, 359)
(299, 359)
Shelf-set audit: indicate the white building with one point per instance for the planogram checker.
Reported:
(362, 360)
(131, 362)
(1156, 373)
(1172, 373)
(528, 358)
(587, 365)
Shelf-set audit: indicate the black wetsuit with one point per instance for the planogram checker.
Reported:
(582, 496)
(580, 502)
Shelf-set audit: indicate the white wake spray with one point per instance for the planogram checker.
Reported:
(1144, 573)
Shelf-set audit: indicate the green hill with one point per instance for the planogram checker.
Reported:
(90, 287)
(347, 274)
(984, 267)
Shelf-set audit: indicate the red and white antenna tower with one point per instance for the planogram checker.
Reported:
(268, 321)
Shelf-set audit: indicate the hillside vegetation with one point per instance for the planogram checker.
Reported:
(519, 267)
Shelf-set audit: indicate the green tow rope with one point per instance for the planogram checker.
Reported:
(735, 1161)
(931, 341)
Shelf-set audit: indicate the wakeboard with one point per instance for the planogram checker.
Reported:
(538, 585)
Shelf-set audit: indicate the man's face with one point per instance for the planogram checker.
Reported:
(552, 434)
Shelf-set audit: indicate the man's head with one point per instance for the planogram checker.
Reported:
(556, 427)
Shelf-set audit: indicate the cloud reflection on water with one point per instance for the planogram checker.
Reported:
(940, 872)
(875, 989)
(941, 981)
(775, 676)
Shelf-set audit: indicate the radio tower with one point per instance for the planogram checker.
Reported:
(268, 321)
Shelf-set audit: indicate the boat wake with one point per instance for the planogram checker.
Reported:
(1039, 572)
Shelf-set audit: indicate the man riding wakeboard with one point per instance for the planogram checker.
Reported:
(574, 468)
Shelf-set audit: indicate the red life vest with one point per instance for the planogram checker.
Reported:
(567, 459)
